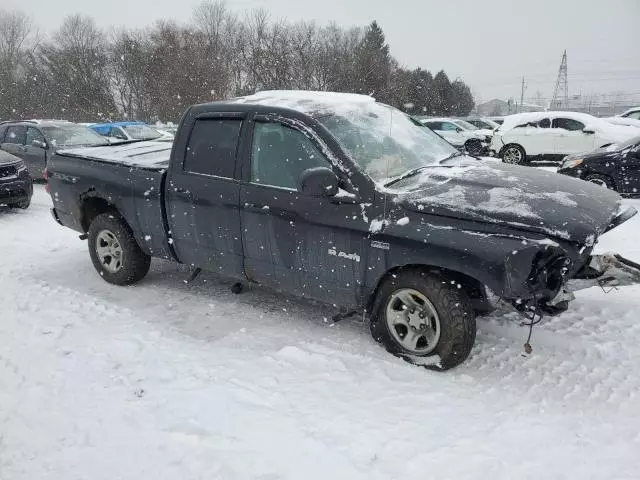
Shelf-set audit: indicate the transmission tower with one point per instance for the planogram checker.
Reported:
(561, 92)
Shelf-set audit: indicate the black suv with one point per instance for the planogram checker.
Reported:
(35, 141)
(16, 187)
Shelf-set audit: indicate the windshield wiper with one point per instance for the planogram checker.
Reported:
(453, 155)
(409, 173)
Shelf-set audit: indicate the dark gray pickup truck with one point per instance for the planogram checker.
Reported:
(346, 201)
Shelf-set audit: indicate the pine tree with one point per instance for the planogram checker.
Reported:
(373, 64)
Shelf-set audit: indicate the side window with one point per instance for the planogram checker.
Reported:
(544, 123)
(280, 154)
(33, 134)
(15, 134)
(212, 147)
(448, 126)
(634, 115)
(568, 124)
(3, 130)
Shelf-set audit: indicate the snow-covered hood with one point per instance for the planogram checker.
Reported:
(7, 158)
(519, 197)
(632, 122)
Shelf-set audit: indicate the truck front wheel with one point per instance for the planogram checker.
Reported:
(425, 319)
(114, 251)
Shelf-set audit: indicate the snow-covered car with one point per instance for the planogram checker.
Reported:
(128, 131)
(553, 135)
(460, 134)
(349, 202)
(629, 117)
(483, 123)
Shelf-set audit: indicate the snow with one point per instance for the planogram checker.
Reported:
(149, 154)
(403, 221)
(166, 380)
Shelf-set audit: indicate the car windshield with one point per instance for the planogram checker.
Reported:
(141, 132)
(466, 125)
(72, 135)
(384, 142)
(629, 143)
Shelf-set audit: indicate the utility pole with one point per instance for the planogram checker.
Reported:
(522, 95)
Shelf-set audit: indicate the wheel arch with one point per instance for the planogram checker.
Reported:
(475, 289)
(511, 144)
(92, 206)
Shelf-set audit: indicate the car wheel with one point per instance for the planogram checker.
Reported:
(601, 180)
(473, 147)
(114, 251)
(23, 204)
(513, 154)
(425, 319)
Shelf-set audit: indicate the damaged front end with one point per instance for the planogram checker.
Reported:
(554, 278)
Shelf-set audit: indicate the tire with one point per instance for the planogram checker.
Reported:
(114, 251)
(23, 204)
(473, 147)
(601, 180)
(454, 316)
(513, 154)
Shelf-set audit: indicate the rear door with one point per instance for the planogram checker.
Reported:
(570, 138)
(14, 140)
(311, 246)
(35, 152)
(202, 196)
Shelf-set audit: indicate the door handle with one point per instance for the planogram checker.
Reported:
(254, 207)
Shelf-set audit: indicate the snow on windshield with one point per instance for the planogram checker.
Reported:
(70, 135)
(382, 140)
(466, 125)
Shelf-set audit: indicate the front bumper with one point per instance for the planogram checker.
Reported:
(16, 188)
(607, 271)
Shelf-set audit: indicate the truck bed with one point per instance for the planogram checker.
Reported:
(130, 177)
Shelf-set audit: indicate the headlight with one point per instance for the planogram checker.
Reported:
(573, 163)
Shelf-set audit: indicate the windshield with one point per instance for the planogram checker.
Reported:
(629, 143)
(141, 132)
(70, 135)
(466, 125)
(385, 142)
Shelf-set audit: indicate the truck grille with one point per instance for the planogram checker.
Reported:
(9, 171)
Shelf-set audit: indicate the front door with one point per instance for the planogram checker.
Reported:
(35, 152)
(570, 138)
(630, 172)
(203, 195)
(311, 246)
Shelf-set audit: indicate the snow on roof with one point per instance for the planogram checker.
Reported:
(307, 101)
(616, 133)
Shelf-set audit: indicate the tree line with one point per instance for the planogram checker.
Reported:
(84, 73)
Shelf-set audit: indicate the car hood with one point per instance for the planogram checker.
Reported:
(7, 158)
(522, 198)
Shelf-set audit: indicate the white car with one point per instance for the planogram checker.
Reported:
(552, 135)
(630, 117)
(460, 134)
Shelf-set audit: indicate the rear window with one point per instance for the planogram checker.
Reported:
(212, 147)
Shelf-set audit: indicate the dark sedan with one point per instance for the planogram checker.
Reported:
(616, 167)
(16, 187)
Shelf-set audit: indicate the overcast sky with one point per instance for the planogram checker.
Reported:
(490, 44)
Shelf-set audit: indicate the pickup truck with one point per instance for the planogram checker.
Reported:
(347, 201)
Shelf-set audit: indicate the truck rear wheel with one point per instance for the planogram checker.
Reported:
(114, 251)
(425, 319)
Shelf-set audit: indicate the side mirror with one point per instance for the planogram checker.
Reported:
(39, 144)
(318, 182)
(588, 130)
(458, 129)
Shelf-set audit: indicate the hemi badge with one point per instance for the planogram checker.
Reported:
(380, 245)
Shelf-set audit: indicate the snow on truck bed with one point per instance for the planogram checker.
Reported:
(163, 380)
(152, 155)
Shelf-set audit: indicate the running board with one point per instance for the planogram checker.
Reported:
(607, 271)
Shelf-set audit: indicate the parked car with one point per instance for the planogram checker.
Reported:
(347, 201)
(35, 141)
(633, 113)
(130, 131)
(462, 137)
(498, 119)
(553, 135)
(483, 123)
(16, 187)
(616, 167)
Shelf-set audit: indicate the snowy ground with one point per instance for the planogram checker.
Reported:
(168, 381)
